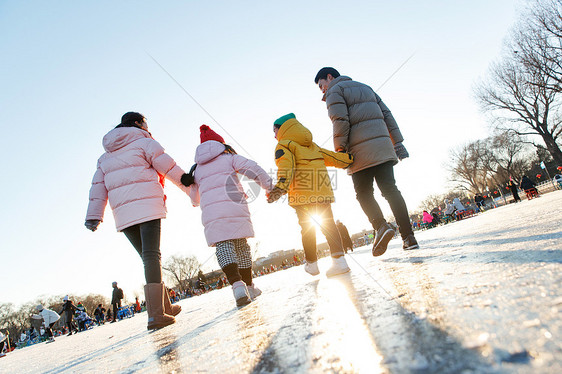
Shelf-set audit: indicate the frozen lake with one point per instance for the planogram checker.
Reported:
(481, 295)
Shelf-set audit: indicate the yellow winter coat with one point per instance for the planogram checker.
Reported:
(301, 165)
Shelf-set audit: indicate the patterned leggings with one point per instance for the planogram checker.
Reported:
(235, 259)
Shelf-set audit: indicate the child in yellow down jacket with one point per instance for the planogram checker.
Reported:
(302, 174)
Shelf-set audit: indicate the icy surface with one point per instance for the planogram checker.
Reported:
(481, 296)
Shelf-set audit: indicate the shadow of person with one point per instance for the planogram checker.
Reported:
(406, 341)
(167, 351)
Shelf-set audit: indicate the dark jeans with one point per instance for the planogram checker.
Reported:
(49, 331)
(515, 194)
(384, 176)
(145, 237)
(116, 306)
(311, 215)
(70, 326)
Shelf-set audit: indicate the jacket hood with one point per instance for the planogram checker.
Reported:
(341, 78)
(120, 137)
(293, 130)
(208, 151)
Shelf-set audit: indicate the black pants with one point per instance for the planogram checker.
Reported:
(311, 215)
(515, 194)
(145, 237)
(116, 306)
(384, 176)
(49, 331)
(70, 326)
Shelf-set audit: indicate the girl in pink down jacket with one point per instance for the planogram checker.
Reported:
(225, 215)
(130, 175)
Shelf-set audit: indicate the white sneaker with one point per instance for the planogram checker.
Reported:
(241, 294)
(339, 266)
(312, 268)
(253, 291)
(2, 354)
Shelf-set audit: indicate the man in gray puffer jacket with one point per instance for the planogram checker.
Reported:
(365, 127)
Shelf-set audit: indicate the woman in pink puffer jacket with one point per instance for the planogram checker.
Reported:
(130, 175)
(216, 188)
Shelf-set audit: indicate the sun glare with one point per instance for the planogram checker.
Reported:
(346, 336)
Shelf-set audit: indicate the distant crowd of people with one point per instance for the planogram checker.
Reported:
(455, 210)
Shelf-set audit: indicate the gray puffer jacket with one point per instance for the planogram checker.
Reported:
(363, 125)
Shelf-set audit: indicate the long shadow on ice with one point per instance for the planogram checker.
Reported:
(406, 342)
(520, 256)
(168, 344)
(100, 352)
(472, 239)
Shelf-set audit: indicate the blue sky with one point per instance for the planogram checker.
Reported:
(71, 69)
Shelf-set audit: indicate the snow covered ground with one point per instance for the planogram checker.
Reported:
(482, 295)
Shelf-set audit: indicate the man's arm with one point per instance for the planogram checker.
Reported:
(391, 124)
(339, 114)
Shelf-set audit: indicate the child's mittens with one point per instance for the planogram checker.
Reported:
(187, 179)
(275, 194)
(92, 224)
(401, 151)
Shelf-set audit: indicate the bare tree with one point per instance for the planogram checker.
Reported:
(509, 157)
(538, 44)
(431, 202)
(468, 166)
(522, 90)
(180, 269)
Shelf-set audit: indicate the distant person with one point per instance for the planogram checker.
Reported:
(82, 318)
(99, 314)
(366, 238)
(345, 238)
(137, 305)
(81, 307)
(479, 200)
(224, 209)
(2, 343)
(201, 277)
(116, 297)
(436, 218)
(302, 174)
(513, 188)
(68, 309)
(50, 317)
(528, 186)
(459, 208)
(427, 218)
(131, 175)
(365, 127)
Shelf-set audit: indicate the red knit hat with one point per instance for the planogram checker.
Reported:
(208, 134)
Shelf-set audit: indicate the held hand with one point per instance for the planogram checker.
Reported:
(187, 179)
(275, 194)
(401, 151)
(92, 224)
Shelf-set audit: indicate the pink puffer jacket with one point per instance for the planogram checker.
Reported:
(128, 176)
(218, 190)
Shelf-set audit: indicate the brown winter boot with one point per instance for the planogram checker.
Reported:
(154, 295)
(169, 308)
